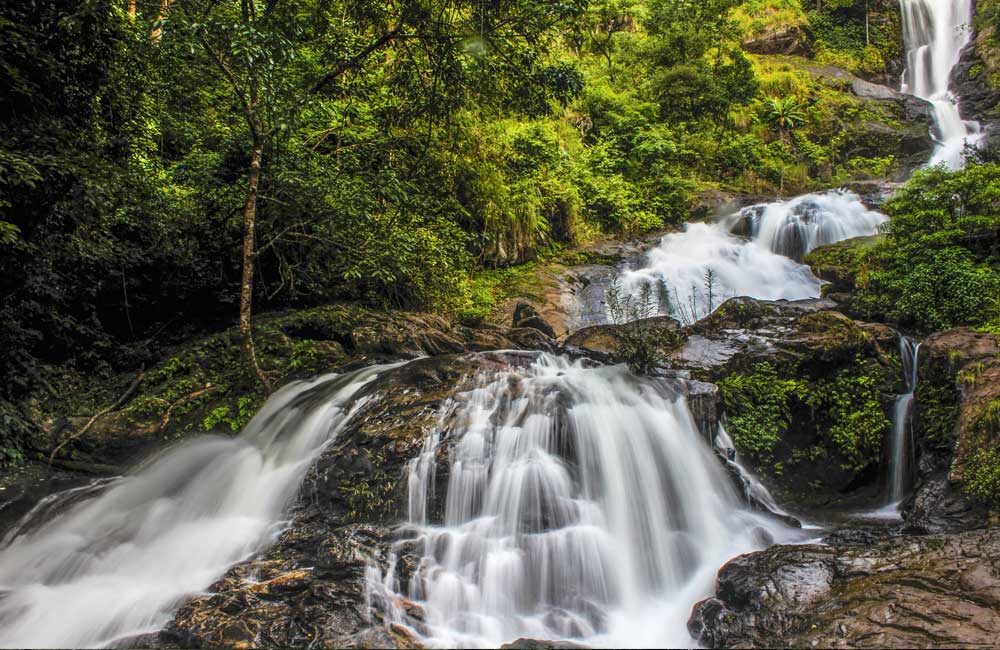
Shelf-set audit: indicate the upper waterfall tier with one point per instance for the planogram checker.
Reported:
(934, 33)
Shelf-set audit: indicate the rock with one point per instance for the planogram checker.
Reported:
(604, 338)
(810, 344)
(310, 588)
(973, 82)
(527, 316)
(541, 644)
(787, 40)
(936, 591)
(900, 125)
(838, 265)
(959, 380)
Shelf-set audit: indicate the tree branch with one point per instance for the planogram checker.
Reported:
(354, 61)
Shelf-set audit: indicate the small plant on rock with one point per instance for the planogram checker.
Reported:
(639, 338)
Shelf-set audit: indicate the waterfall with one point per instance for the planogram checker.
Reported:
(900, 445)
(112, 561)
(582, 503)
(934, 33)
(765, 266)
(795, 227)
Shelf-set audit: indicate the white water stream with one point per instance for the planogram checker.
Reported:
(763, 266)
(116, 565)
(934, 33)
(582, 503)
(900, 445)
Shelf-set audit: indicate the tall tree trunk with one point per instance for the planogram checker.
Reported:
(131, 10)
(246, 287)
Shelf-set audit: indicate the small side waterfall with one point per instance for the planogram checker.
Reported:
(101, 564)
(582, 503)
(901, 448)
(934, 33)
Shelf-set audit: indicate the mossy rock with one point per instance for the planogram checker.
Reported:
(839, 264)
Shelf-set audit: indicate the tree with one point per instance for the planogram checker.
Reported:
(276, 60)
(783, 116)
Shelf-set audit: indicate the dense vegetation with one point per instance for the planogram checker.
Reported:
(938, 265)
(167, 166)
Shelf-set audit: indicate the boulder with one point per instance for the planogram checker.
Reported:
(786, 40)
(973, 80)
(954, 432)
(932, 591)
(604, 339)
(800, 357)
(526, 316)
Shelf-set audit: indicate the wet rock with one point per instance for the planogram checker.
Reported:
(310, 588)
(527, 316)
(937, 591)
(809, 343)
(744, 331)
(973, 81)
(541, 644)
(899, 124)
(838, 264)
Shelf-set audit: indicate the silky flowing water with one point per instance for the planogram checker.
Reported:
(934, 33)
(582, 503)
(766, 265)
(112, 561)
(900, 444)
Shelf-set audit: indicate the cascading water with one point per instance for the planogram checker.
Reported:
(116, 565)
(900, 447)
(582, 503)
(934, 33)
(764, 266)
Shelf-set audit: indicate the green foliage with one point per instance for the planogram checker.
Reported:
(857, 423)
(245, 408)
(412, 154)
(759, 408)
(982, 481)
(783, 114)
(15, 430)
(938, 265)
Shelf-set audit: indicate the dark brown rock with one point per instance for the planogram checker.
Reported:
(937, 591)
(527, 316)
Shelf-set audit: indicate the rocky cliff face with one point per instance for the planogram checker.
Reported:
(960, 379)
(976, 78)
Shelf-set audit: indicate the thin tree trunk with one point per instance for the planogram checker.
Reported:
(246, 287)
(131, 10)
(157, 32)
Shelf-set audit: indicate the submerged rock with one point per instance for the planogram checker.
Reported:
(937, 591)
